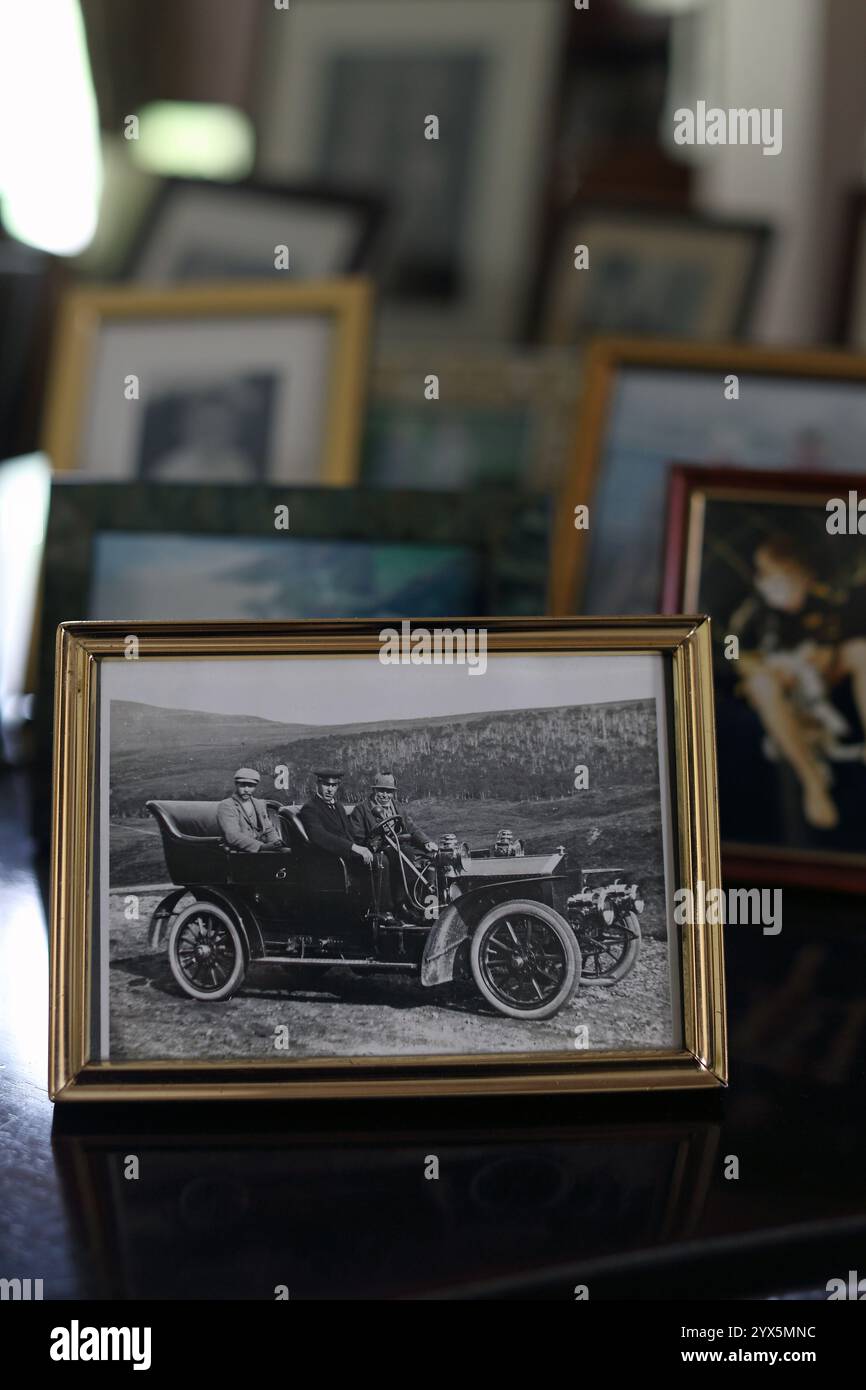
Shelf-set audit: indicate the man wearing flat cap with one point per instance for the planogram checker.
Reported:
(328, 825)
(243, 819)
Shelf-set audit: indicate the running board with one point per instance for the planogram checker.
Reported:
(329, 960)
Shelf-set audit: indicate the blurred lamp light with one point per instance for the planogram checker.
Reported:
(194, 140)
(50, 164)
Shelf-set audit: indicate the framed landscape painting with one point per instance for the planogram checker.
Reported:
(309, 860)
(136, 551)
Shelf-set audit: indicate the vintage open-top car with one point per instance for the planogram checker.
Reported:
(498, 922)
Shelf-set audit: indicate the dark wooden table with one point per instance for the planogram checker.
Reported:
(627, 1195)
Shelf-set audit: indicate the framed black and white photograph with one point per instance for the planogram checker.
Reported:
(196, 230)
(500, 419)
(652, 272)
(342, 83)
(348, 859)
(238, 383)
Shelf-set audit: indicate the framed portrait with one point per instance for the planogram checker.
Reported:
(786, 590)
(499, 419)
(646, 404)
(347, 859)
(651, 271)
(348, 93)
(238, 383)
(851, 306)
(200, 231)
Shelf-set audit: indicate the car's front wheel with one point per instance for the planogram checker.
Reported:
(525, 959)
(206, 953)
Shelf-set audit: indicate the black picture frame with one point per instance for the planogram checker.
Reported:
(369, 208)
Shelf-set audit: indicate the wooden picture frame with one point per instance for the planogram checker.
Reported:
(661, 665)
(775, 422)
(784, 519)
(87, 379)
(626, 239)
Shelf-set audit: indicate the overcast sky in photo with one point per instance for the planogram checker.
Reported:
(344, 690)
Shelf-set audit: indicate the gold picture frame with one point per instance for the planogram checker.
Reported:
(697, 1057)
(85, 311)
(603, 361)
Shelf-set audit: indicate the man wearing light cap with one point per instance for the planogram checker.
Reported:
(243, 819)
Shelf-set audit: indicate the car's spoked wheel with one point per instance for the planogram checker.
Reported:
(609, 952)
(525, 959)
(205, 952)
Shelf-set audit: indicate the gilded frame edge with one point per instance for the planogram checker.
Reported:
(349, 299)
(701, 1061)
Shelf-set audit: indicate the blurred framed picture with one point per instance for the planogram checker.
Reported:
(238, 383)
(851, 309)
(136, 551)
(645, 404)
(499, 419)
(660, 273)
(200, 231)
(780, 567)
(440, 108)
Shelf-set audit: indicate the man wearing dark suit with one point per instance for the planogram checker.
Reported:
(328, 825)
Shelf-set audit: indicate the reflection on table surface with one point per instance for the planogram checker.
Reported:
(629, 1194)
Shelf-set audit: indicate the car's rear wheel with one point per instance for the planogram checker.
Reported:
(206, 952)
(609, 952)
(525, 959)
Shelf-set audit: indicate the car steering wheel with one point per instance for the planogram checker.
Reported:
(380, 825)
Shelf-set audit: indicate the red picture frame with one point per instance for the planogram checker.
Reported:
(688, 487)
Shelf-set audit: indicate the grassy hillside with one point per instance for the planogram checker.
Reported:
(510, 755)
